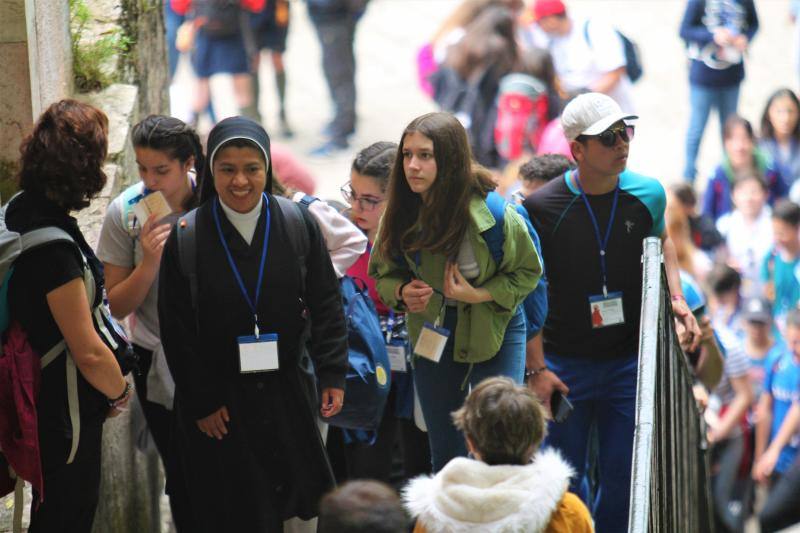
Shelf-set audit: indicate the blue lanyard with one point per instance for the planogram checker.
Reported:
(252, 303)
(601, 242)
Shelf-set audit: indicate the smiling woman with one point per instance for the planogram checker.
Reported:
(240, 174)
(235, 332)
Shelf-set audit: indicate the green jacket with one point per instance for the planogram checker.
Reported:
(481, 327)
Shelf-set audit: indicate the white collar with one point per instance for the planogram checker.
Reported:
(245, 223)
(470, 496)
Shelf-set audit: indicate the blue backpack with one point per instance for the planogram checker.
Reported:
(633, 57)
(535, 304)
(368, 377)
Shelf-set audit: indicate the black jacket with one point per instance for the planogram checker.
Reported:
(272, 464)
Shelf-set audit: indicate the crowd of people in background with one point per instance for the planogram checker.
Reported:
(494, 251)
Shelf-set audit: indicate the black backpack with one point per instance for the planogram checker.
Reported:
(633, 57)
(223, 18)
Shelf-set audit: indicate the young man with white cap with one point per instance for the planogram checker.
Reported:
(592, 222)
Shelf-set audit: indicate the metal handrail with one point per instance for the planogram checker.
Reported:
(670, 489)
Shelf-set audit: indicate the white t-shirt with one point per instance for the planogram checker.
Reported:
(344, 241)
(580, 65)
(747, 245)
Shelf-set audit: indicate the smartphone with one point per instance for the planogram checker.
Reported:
(560, 406)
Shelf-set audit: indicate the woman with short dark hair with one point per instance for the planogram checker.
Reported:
(56, 297)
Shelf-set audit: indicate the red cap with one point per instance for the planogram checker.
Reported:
(546, 8)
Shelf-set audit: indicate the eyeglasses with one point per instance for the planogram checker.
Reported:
(608, 138)
(365, 203)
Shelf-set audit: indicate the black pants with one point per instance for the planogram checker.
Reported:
(374, 461)
(726, 459)
(336, 37)
(782, 508)
(161, 423)
(71, 491)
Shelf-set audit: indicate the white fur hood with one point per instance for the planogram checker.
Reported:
(471, 496)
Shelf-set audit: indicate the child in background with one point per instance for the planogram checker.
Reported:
(726, 284)
(781, 265)
(748, 231)
(760, 344)
(780, 135)
(741, 159)
(776, 445)
(728, 432)
(691, 259)
(536, 173)
(703, 231)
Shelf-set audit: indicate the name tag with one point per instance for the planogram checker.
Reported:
(397, 351)
(258, 354)
(431, 342)
(606, 310)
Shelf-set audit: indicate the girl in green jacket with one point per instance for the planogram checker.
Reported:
(430, 260)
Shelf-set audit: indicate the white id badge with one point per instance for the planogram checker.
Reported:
(431, 342)
(397, 356)
(606, 310)
(258, 354)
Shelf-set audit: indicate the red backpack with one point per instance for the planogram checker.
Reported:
(521, 115)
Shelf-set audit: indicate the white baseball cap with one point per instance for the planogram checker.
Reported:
(591, 114)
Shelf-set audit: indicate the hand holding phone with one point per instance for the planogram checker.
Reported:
(560, 406)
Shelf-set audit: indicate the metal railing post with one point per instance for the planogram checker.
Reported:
(670, 489)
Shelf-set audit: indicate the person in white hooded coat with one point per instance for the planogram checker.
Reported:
(507, 485)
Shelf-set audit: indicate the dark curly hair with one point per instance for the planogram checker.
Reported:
(62, 159)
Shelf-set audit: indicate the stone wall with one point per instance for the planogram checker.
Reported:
(146, 64)
(35, 59)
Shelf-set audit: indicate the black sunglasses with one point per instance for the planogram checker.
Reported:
(608, 138)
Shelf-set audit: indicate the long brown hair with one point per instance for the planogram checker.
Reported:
(438, 225)
(489, 42)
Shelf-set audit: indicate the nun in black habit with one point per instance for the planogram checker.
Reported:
(245, 397)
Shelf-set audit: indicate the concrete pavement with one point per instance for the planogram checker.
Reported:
(388, 98)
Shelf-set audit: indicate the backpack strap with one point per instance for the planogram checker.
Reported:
(30, 241)
(495, 236)
(46, 235)
(586, 34)
(307, 200)
(187, 256)
(297, 232)
(19, 500)
(127, 199)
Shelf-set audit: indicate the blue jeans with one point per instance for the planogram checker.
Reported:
(701, 100)
(443, 386)
(603, 394)
(172, 21)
